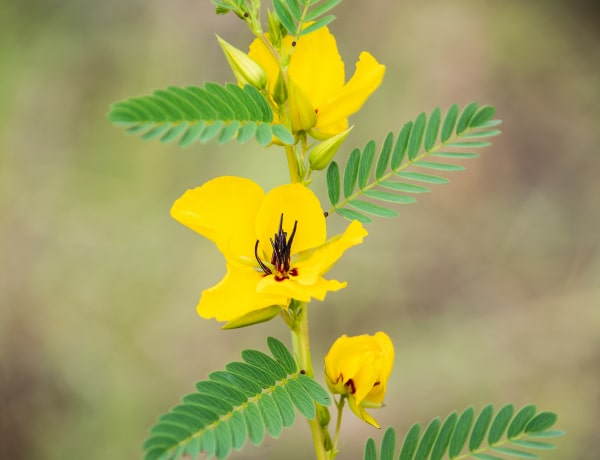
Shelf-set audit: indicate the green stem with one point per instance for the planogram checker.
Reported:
(338, 424)
(301, 347)
(290, 154)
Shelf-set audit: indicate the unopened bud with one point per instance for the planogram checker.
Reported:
(322, 154)
(302, 113)
(280, 91)
(274, 30)
(246, 70)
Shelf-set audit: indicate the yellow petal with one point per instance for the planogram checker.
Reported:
(224, 211)
(332, 117)
(359, 367)
(297, 204)
(317, 262)
(317, 68)
(361, 413)
(294, 290)
(366, 378)
(236, 295)
(341, 361)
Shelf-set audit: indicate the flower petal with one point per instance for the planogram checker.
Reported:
(365, 379)
(236, 295)
(361, 413)
(342, 361)
(296, 203)
(314, 263)
(293, 290)
(358, 367)
(317, 67)
(332, 117)
(223, 210)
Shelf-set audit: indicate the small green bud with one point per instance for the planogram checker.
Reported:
(274, 29)
(280, 91)
(323, 415)
(246, 70)
(322, 154)
(302, 113)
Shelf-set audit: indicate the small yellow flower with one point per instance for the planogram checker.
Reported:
(318, 70)
(274, 244)
(358, 368)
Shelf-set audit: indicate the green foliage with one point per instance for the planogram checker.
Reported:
(195, 113)
(507, 435)
(368, 175)
(223, 7)
(296, 14)
(262, 392)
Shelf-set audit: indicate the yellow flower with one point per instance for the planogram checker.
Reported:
(359, 367)
(318, 71)
(274, 244)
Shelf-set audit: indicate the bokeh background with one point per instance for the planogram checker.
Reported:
(489, 286)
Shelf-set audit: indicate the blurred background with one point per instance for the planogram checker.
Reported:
(489, 286)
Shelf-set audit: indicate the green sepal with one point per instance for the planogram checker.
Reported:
(254, 317)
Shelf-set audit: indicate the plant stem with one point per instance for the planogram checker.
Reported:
(301, 347)
(338, 424)
(290, 154)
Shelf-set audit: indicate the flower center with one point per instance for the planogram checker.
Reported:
(282, 252)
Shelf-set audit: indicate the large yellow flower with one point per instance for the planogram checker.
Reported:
(274, 244)
(317, 69)
(358, 368)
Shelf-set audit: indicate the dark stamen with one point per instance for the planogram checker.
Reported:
(282, 252)
(265, 269)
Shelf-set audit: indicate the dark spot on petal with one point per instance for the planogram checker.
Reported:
(350, 383)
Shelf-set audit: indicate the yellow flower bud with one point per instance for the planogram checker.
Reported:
(358, 368)
(302, 113)
(245, 69)
(322, 154)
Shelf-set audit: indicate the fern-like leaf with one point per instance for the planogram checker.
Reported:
(509, 435)
(261, 393)
(417, 147)
(301, 17)
(191, 114)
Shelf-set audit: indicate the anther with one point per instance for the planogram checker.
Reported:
(265, 269)
(282, 252)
